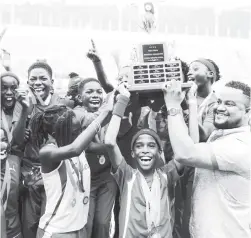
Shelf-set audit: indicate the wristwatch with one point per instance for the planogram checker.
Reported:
(173, 111)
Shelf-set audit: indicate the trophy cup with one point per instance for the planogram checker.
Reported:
(153, 62)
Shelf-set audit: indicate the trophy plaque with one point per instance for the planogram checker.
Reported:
(153, 68)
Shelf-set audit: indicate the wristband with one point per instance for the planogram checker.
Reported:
(120, 106)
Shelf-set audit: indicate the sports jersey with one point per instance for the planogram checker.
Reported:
(66, 203)
(221, 196)
(132, 217)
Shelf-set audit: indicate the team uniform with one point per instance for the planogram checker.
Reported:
(103, 185)
(133, 217)
(67, 204)
(33, 198)
(10, 176)
(224, 189)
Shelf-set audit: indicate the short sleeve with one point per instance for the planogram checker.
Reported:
(233, 154)
(171, 172)
(123, 173)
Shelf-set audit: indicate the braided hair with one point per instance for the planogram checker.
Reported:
(56, 121)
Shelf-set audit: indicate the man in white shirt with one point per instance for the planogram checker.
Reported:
(221, 195)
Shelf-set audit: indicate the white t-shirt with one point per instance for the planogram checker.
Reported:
(221, 197)
(63, 184)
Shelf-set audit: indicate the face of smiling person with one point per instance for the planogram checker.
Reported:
(40, 81)
(8, 87)
(145, 151)
(92, 96)
(198, 73)
(230, 112)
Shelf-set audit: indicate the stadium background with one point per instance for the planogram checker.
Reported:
(60, 32)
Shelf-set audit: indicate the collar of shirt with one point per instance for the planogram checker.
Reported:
(225, 132)
(47, 100)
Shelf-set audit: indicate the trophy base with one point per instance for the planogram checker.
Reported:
(156, 87)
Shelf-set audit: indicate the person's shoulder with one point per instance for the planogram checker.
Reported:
(79, 111)
(56, 98)
(244, 137)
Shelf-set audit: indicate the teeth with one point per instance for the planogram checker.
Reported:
(146, 159)
(9, 99)
(38, 90)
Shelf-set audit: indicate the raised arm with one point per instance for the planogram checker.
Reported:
(193, 121)
(185, 150)
(101, 75)
(52, 154)
(113, 128)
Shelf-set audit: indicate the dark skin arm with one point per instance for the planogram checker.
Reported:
(114, 152)
(51, 156)
(101, 75)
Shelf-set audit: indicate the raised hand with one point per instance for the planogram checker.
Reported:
(108, 104)
(173, 94)
(23, 98)
(93, 54)
(192, 93)
(123, 89)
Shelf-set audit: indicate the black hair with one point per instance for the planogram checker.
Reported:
(73, 75)
(41, 64)
(57, 120)
(73, 90)
(241, 86)
(217, 70)
(84, 82)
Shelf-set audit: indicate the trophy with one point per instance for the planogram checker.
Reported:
(152, 62)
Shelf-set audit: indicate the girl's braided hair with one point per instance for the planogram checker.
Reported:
(56, 121)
